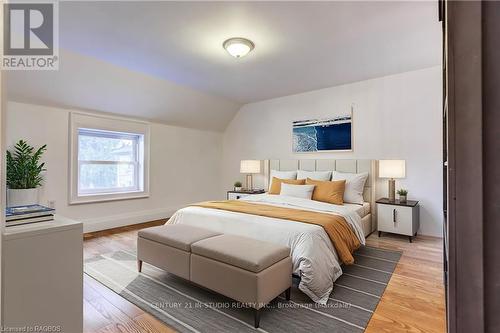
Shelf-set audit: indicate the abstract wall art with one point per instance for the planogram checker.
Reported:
(326, 134)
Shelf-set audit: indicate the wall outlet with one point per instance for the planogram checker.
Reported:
(51, 204)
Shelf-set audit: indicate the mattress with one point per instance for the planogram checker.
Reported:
(362, 210)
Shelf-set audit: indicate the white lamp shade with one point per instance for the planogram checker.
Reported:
(391, 169)
(250, 166)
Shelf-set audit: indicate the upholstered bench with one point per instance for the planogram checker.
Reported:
(250, 271)
(247, 270)
(169, 247)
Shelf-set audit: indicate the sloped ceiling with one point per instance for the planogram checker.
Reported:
(164, 61)
(88, 83)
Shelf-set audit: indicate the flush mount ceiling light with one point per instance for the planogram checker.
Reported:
(238, 47)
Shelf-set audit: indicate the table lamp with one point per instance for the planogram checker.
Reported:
(392, 169)
(249, 167)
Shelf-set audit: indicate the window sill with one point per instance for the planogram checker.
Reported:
(108, 197)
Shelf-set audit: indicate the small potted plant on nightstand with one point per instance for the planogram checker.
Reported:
(402, 195)
(238, 186)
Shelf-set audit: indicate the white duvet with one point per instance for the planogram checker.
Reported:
(313, 255)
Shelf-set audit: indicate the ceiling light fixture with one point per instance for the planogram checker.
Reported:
(238, 47)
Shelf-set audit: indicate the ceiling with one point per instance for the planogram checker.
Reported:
(299, 46)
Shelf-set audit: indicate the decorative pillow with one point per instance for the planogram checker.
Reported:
(275, 187)
(298, 191)
(316, 175)
(354, 186)
(328, 191)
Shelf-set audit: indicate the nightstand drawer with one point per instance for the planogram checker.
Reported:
(395, 219)
(236, 196)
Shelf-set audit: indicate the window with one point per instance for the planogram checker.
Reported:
(108, 163)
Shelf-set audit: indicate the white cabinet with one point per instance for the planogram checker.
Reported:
(398, 218)
(42, 276)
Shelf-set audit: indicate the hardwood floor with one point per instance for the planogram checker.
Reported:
(412, 302)
(103, 310)
(414, 299)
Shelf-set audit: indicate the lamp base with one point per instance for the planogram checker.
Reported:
(392, 190)
(249, 182)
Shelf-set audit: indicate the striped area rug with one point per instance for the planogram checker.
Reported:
(188, 308)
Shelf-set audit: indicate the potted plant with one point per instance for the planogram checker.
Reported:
(238, 186)
(24, 174)
(402, 195)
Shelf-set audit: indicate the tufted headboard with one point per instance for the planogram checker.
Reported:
(341, 165)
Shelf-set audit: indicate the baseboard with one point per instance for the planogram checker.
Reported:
(121, 220)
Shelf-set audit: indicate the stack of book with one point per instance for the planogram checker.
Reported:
(28, 214)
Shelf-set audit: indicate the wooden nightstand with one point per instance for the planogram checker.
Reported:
(235, 195)
(397, 217)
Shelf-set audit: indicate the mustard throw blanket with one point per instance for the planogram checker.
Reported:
(343, 238)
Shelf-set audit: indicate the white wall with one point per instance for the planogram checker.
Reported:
(185, 167)
(395, 117)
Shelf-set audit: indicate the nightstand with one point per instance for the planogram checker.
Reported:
(235, 195)
(398, 217)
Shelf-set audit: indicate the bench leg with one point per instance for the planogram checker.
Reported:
(287, 293)
(139, 265)
(256, 316)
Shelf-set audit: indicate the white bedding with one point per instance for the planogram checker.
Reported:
(313, 255)
(362, 210)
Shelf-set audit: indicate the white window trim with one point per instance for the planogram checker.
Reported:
(105, 123)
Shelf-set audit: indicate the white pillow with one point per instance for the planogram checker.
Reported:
(315, 175)
(354, 185)
(298, 191)
(283, 174)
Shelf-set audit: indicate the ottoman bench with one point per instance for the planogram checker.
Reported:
(169, 247)
(247, 270)
(250, 271)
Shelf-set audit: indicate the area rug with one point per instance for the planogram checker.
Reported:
(188, 308)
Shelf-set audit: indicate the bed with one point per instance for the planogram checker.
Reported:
(313, 254)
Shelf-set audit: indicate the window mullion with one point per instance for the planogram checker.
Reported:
(106, 162)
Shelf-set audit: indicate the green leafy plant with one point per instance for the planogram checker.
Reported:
(238, 184)
(24, 169)
(402, 192)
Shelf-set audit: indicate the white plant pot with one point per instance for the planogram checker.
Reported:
(22, 197)
(238, 189)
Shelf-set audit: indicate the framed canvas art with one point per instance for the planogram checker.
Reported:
(327, 134)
